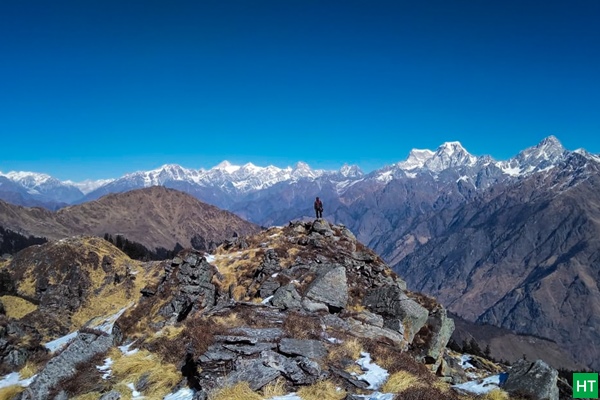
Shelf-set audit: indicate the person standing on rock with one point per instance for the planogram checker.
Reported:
(319, 208)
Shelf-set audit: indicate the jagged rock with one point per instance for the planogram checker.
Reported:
(84, 347)
(196, 291)
(216, 352)
(314, 306)
(536, 379)
(254, 372)
(330, 287)
(359, 383)
(142, 383)
(363, 256)
(399, 312)
(450, 368)
(287, 298)
(236, 339)
(289, 368)
(440, 328)
(370, 318)
(359, 329)
(112, 395)
(321, 226)
(312, 349)
(268, 287)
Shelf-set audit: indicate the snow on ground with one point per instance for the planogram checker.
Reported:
(106, 325)
(134, 393)
(14, 378)
(464, 361)
(480, 386)
(265, 301)
(182, 394)
(125, 349)
(376, 396)
(61, 342)
(210, 258)
(290, 396)
(105, 368)
(374, 374)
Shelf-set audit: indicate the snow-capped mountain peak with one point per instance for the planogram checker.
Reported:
(89, 185)
(350, 171)
(450, 155)
(226, 166)
(416, 159)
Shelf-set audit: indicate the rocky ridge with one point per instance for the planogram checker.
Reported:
(303, 309)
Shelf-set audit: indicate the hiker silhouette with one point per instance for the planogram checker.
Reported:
(319, 208)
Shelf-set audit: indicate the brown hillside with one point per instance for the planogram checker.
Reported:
(154, 217)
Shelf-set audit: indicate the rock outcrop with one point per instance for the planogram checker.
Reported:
(532, 378)
(305, 304)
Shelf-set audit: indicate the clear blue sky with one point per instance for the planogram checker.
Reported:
(97, 88)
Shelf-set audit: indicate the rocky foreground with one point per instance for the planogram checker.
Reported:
(297, 312)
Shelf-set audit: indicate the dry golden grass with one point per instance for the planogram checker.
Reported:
(239, 391)
(9, 392)
(275, 388)
(26, 286)
(17, 307)
(322, 390)
(302, 326)
(161, 376)
(400, 381)
(496, 394)
(170, 332)
(28, 370)
(349, 349)
(231, 320)
(356, 308)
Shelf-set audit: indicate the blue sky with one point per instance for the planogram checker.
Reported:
(98, 88)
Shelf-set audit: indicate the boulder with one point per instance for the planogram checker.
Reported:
(321, 226)
(399, 312)
(287, 298)
(112, 395)
(535, 379)
(291, 368)
(330, 287)
(440, 329)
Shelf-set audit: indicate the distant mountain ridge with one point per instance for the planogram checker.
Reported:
(225, 183)
(155, 217)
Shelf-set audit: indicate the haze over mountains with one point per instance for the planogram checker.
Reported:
(513, 243)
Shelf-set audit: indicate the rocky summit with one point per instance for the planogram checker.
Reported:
(303, 311)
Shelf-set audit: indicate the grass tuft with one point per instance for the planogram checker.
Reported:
(400, 381)
(239, 391)
(275, 388)
(496, 394)
(17, 307)
(348, 350)
(9, 392)
(322, 390)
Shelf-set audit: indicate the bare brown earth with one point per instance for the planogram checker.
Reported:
(155, 217)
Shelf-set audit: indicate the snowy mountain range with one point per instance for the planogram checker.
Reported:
(225, 184)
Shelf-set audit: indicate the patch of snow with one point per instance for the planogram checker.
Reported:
(106, 326)
(125, 349)
(385, 177)
(210, 258)
(334, 340)
(480, 386)
(411, 175)
(105, 368)
(274, 275)
(464, 361)
(61, 342)
(289, 396)
(512, 171)
(265, 301)
(463, 178)
(374, 374)
(182, 394)
(376, 396)
(14, 378)
(134, 393)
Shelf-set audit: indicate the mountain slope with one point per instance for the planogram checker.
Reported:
(524, 257)
(155, 217)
